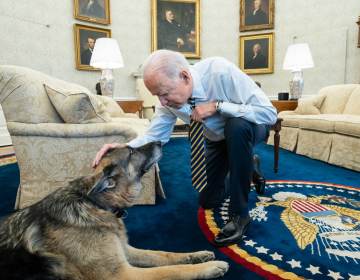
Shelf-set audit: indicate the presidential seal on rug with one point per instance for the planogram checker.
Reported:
(76, 233)
(302, 230)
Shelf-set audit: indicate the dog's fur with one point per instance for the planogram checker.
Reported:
(73, 233)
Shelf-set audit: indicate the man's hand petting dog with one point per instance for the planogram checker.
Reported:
(104, 150)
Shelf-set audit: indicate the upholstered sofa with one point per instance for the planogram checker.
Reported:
(326, 126)
(57, 127)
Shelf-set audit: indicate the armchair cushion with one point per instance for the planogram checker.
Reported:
(310, 106)
(112, 107)
(76, 105)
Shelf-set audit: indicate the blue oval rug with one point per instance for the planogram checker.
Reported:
(299, 230)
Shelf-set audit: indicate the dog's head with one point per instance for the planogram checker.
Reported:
(117, 180)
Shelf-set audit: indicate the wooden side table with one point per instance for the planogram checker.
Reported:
(284, 105)
(131, 106)
(280, 105)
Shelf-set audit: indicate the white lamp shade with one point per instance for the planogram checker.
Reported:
(298, 56)
(106, 54)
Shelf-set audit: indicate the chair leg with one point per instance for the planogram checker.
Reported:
(276, 127)
(276, 150)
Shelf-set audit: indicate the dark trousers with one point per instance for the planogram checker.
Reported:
(231, 160)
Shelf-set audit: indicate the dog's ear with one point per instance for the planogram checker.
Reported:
(105, 182)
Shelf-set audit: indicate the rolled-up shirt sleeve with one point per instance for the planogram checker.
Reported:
(160, 128)
(245, 99)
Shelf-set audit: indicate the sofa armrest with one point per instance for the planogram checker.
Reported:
(131, 115)
(310, 105)
(286, 113)
(65, 130)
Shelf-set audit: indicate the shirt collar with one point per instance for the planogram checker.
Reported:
(198, 92)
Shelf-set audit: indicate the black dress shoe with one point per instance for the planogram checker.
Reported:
(258, 179)
(232, 232)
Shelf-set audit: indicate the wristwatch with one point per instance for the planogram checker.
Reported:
(218, 105)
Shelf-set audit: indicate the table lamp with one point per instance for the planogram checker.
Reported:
(106, 56)
(298, 57)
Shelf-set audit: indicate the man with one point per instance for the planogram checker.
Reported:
(256, 15)
(92, 8)
(256, 60)
(86, 54)
(171, 34)
(236, 115)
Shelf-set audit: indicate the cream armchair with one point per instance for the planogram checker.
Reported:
(57, 128)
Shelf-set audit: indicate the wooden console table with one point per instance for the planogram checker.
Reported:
(131, 106)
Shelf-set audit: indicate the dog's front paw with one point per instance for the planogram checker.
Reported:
(214, 269)
(200, 257)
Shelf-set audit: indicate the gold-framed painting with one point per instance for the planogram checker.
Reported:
(85, 38)
(257, 53)
(97, 11)
(175, 25)
(256, 14)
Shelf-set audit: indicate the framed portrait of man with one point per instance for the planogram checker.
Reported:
(256, 14)
(97, 11)
(85, 38)
(175, 25)
(257, 53)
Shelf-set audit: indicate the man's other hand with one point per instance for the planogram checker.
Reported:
(202, 111)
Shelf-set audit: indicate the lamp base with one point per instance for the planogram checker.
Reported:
(107, 82)
(296, 85)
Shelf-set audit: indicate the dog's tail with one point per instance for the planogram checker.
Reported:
(19, 264)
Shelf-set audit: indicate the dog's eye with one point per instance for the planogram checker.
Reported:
(110, 183)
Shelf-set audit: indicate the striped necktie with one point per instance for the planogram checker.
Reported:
(197, 143)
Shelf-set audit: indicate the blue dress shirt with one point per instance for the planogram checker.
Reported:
(214, 79)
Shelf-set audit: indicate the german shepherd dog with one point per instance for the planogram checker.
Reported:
(74, 233)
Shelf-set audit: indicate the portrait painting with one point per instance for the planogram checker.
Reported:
(176, 26)
(97, 11)
(85, 39)
(257, 53)
(256, 14)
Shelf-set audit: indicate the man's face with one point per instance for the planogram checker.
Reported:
(256, 48)
(172, 93)
(91, 43)
(169, 15)
(257, 4)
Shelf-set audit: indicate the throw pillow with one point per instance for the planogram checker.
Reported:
(77, 105)
(310, 106)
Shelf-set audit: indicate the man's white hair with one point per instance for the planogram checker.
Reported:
(166, 62)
